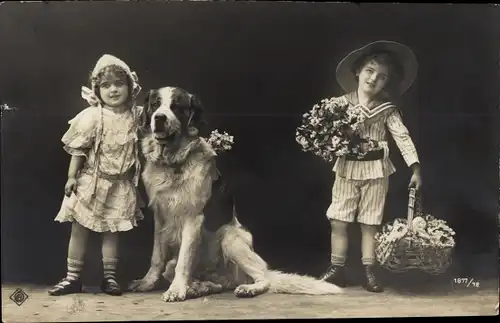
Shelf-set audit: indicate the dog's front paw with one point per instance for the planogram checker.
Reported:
(246, 291)
(176, 293)
(143, 285)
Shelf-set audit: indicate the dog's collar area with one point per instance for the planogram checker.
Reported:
(174, 156)
(177, 167)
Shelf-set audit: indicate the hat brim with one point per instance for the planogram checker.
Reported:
(347, 77)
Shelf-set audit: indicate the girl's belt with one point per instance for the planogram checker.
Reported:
(369, 156)
(118, 177)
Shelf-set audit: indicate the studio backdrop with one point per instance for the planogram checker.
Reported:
(257, 67)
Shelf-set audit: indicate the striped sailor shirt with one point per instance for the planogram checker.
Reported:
(381, 120)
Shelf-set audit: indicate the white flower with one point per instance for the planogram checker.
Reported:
(343, 151)
(419, 223)
(315, 121)
(302, 141)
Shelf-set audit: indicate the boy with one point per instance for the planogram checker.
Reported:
(370, 75)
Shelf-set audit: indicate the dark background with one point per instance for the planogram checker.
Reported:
(257, 67)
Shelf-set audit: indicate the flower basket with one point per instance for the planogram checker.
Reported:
(332, 129)
(220, 142)
(419, 242)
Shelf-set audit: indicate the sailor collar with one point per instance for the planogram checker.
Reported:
(352, 98)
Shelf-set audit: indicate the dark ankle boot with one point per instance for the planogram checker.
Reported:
(372, 284)
(110, 286)
(335, 275)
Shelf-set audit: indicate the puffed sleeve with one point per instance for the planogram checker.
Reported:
(81, 134)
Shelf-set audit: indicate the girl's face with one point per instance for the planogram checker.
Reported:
(373, 77)
(113, 90)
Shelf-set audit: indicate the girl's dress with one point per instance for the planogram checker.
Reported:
(106, 197)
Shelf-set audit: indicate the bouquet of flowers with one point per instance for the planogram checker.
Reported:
(427, 239)
(331, 128)
(220, 141)
(427, 231)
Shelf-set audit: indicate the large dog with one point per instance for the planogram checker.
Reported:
(200, 247)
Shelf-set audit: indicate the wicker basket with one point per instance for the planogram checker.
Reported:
(404, 252)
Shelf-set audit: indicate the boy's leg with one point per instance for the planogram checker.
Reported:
(345, 198)
(109, 284)
(371, 211)
(76, 255)
(338, 242)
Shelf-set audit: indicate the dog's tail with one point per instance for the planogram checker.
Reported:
(285, 283)
(237, 245)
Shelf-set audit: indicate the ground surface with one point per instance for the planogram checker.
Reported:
(93, 306)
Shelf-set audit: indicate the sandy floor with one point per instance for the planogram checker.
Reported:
(93, 306)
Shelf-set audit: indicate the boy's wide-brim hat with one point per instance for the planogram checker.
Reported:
(346, 75)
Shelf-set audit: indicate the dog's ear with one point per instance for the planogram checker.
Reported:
(196, 113)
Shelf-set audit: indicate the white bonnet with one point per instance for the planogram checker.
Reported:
(107, 60)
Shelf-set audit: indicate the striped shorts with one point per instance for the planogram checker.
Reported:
(364, 197)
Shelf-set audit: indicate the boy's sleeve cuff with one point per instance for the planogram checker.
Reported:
(411, 159)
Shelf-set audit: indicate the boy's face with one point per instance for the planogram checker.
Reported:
(113, 90)
(373, 77)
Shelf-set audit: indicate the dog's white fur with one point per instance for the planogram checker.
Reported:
(198, 262)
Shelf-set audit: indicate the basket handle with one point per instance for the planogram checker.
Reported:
(414, 203)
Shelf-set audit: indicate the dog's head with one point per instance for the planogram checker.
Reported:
(172, 112)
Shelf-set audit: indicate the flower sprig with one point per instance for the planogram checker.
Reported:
(220, 141)
(331, 128)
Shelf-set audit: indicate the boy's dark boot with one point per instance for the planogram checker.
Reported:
(372, 283)
(335, 274)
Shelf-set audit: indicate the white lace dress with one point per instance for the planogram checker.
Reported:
(106, 197)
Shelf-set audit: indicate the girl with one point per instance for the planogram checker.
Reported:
(100, 193)
(370, 75)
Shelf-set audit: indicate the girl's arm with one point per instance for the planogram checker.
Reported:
(75, 165)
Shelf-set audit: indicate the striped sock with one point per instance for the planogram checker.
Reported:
(110, 268)
(74, 269)
(337, 260)
(368, 261)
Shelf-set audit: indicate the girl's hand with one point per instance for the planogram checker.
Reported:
(416, 181)
(70, 186)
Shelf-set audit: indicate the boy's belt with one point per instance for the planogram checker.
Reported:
(369, 156)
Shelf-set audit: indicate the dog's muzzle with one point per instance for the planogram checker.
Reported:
(164, 129)
(159, 123)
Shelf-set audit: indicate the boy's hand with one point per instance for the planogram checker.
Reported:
(416, 181)
(70, 186)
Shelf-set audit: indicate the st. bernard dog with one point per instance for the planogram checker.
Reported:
(199, 247)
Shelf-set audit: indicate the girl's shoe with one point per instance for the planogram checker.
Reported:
(65, 287)
(111, 287)
(372, 284)
(335, 275)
